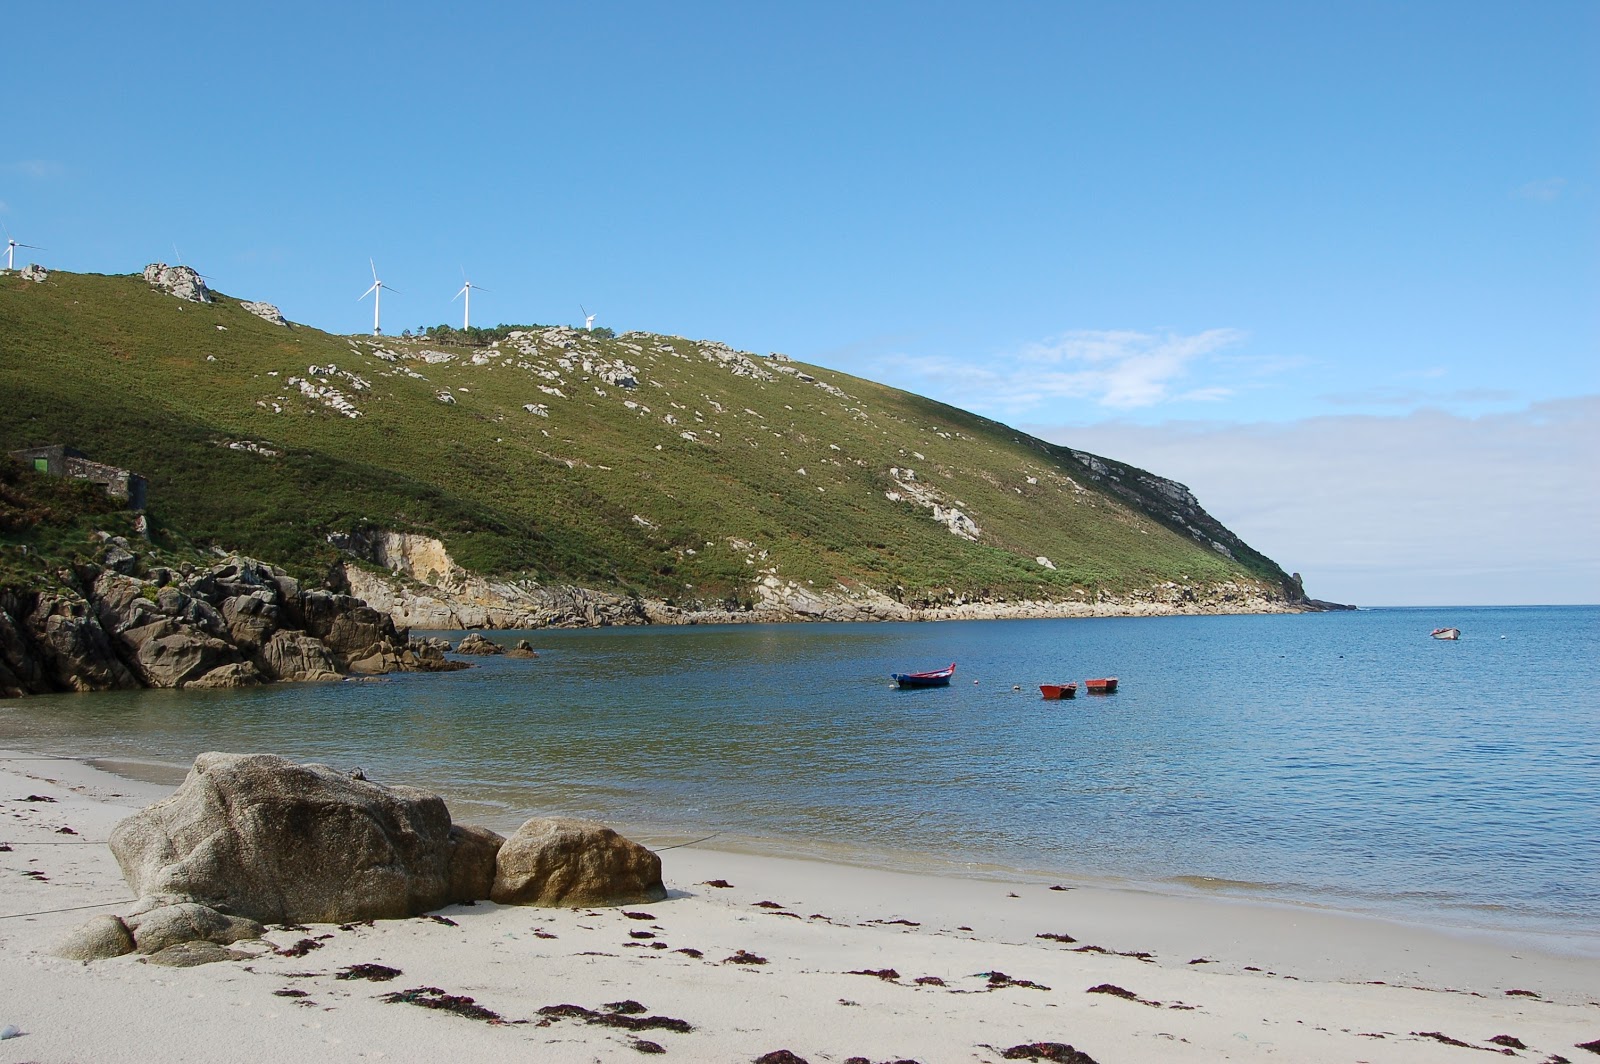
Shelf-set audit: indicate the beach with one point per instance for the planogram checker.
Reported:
(752, 954)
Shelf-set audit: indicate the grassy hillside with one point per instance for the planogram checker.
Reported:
(679, 469)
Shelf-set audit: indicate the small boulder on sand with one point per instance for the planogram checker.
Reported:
(567, 862)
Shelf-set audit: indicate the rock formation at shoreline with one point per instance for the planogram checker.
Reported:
(255, 839)
(236, 623)
(425, 588)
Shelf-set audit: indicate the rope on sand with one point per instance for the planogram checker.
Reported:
(680, 845)
(68, 909)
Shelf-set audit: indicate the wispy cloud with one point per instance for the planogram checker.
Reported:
(38, 169)
(1116, 369)
(1545, 190)
(1389, 395)
(1422, 508)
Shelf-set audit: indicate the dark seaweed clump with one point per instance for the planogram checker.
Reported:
(1059, 1052)
(376, 973)
(431, 997)
(621, 1019)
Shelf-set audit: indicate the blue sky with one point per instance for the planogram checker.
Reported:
(1277, 251)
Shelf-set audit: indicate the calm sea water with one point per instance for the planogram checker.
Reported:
(1341, 759)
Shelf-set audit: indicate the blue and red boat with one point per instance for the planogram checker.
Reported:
(936, 678)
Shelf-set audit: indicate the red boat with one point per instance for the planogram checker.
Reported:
(936, 678)
(1104, 686)
(1055, 691)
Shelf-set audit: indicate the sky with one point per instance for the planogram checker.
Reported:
(1333, 266)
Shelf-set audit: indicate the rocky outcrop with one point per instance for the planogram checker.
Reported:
(477, 644)
(561, 861)
(237, 623)
(34, 272)
(180, 281)
(425, 588)
(259, 837)
(266, 312)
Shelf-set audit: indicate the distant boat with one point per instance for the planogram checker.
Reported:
(1055, 691)
(1446, 633)
(936, 678)
(1104, 686)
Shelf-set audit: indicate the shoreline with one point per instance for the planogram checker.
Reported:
(1210, 978)
(1576, 942)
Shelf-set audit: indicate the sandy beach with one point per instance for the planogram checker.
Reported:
(756, 954)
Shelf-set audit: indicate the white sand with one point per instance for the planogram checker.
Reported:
(1311, 1000)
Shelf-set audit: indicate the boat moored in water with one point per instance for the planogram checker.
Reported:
(1103, 686)
(935, 678)
(1446, 633)
(1055, 691)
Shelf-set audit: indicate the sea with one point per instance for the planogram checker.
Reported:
(1342, 760)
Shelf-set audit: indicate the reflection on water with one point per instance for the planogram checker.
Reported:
(1344, 758)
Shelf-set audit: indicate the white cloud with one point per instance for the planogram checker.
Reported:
(38, 169)
(1421, 509)
(1544, 191)
(1118, 370)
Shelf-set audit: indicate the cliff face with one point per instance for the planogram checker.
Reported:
(424, 588)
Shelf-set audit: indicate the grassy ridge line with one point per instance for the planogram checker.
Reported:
(596, 493)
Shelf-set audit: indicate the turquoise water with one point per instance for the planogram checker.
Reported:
(1340, 759)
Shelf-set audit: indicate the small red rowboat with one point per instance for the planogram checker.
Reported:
(1055, 691)
(1105, 686)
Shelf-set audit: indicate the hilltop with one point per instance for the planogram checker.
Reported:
(558, 476)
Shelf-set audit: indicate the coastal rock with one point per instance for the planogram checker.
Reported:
(176, 656)
(477, 644)
(72, 648)
(473, 854)
(180, 281)
(266, 312)
(297, 656)
(233, 674)
(194, 954)
(561, 861)
(261, 837)
(523, 649)
(156, 925)
(98, 938)
(252, 618)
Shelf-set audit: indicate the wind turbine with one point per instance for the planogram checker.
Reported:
(179, 256)
(11, 249)
(376, 292)
(588, 319)
(466, 307)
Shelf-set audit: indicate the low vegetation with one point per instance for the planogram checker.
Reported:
(654, 464)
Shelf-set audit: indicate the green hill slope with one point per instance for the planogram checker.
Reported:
(655, 465)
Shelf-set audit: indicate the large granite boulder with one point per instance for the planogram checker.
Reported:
(260, 837)
(563, 861)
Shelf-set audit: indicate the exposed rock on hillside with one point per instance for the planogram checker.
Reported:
(237, 623)
(34, 272)
(180, 281)
(266, 312)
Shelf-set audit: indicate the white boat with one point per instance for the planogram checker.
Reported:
(1446, 633)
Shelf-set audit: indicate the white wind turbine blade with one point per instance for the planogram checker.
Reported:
(374, 266)
(460, 293)
(367, 293)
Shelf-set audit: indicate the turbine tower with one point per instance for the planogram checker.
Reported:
(588, 319)
(11, 249)
(376, 292)
(466, 307)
